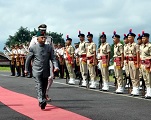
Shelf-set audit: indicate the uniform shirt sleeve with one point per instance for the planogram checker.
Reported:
(72, 50)
(108, 48)
(86, 45)
(121, 49)
(149, 49)
(33, 41)
(94, 47)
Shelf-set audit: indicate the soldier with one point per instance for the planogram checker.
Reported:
(43, 29)
(69, 60)
(133, 63)
(126, 44)
(60, 60)
(140, 45)
(22, 59)
(17, 58)
(65, 66)
(76, 61)
(118, 62)
(56, 74)
(104, 61)
(146, 61)
(99, 70)
(91, 60)
(30, 67)
(82, 58)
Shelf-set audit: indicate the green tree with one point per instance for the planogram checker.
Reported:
(21, 36)
(57, 38)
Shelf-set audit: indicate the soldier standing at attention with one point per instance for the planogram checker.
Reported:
(76, 61)
(133, 63)
(12, 56)
(60, 60)
(17, 57)
(146, 61)
(140, 45)
(70, 60)
(104, 60)
(22, 60)
(56, 74)
(126, 44)
(118, 62)
(91, 60)
(65, 66)
(82, 58)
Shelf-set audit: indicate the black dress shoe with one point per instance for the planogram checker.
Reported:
(12, 75)
(22, 75)
(148, 97)
(42, 105)
(142, 96)
(119, 93)
(135, 95)
(29, 76)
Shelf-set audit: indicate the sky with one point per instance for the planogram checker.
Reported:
(70, 16)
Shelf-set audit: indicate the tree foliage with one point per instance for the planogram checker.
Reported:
(21, 36)
(57, 38)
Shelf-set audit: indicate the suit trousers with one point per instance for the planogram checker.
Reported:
(41, 86)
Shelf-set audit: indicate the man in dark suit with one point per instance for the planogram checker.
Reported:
(41, 54)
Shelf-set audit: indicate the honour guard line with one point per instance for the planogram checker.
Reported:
(84, 61)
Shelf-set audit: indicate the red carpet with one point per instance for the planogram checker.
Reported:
(28, 106)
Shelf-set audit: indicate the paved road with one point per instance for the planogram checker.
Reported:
(93, 104)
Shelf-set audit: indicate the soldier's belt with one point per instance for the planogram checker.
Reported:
(90, 58)
(83, 56)
(126, 57)
(132, 58)
(103, 57)
(117, 59)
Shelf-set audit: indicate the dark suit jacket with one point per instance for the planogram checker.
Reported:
(41, 55)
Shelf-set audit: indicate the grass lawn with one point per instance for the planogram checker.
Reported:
(111, 79)
(4, 68)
